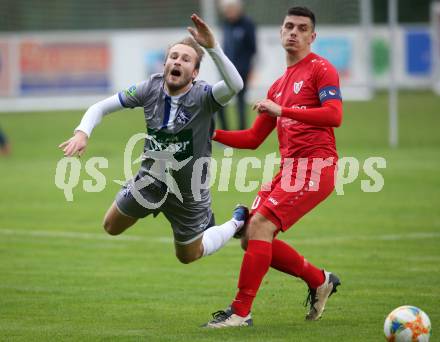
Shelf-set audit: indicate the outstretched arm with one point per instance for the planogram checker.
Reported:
(93, 116)
(249, 138)
(232, 83)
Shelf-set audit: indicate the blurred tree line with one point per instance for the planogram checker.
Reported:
(30, 15)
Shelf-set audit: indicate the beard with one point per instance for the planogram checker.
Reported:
(176, 83)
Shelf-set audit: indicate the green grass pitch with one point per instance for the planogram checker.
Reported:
(62, 278)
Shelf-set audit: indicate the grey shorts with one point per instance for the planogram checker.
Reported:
(188, 219)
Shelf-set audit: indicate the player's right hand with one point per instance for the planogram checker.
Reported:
(75, 145)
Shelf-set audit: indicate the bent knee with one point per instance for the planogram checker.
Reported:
(257, 220)
(260, 228)
(186, 259)
(111, 228)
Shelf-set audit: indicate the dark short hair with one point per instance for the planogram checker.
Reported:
(302, 12)
(191, 42)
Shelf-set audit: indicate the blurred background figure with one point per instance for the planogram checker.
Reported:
(239, 44)
(5, 148)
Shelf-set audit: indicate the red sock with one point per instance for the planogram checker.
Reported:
(255, 264)
(286, 259)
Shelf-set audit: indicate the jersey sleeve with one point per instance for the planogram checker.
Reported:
(135, 95)
(205, 97)
(329, 114)
(231, 83)
(96, 112)
(249, 138)
(327, 82)
(271, 92)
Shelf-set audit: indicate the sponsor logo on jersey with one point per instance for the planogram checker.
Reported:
(297, 86)
(299, 107)
(180, 144)
(131, 91)
(285, 122)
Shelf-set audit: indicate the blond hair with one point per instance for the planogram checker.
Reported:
(191, 42)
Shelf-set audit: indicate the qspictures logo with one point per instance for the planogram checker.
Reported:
(225, 174)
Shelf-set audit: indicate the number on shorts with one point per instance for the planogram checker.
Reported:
(256, 203)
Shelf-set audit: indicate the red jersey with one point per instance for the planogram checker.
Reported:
(311, 106)
(307, 84)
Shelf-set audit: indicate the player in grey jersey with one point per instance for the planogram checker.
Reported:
(178, 112)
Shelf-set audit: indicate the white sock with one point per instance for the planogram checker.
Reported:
(238, 223)
(216, 237)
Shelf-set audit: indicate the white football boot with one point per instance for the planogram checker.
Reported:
(227, 318)
(318, 297)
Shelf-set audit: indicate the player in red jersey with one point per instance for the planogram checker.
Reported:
(304, 105)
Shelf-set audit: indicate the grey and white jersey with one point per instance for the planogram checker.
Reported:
(180, 126)
(179, 133)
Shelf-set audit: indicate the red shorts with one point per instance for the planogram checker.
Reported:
(298, 188)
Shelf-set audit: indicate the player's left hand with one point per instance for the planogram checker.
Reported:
(202, 33)
(267, 106)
